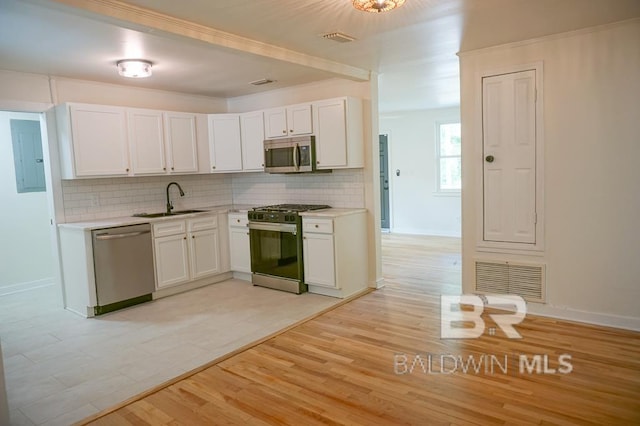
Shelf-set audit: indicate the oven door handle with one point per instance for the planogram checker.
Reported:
(275, 227)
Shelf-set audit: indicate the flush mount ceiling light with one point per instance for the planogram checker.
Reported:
(134, 68)
(377, 6)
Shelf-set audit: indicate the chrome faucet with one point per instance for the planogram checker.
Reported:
(169, 204)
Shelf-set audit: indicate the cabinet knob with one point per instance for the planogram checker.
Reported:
(317, 226)
(284, 131)
(184, 238)
(193, 237)
(164, 168)
(490, 158)
(238, 220)
(213, 167)
(291, 130)
(317, 162)
(172, 168)
(127, 170)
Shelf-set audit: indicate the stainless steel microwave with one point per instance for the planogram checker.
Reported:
(290, 155)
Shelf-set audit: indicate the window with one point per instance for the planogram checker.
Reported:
(449, 163)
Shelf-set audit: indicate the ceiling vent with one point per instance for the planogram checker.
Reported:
(261, 82)
(339, 37)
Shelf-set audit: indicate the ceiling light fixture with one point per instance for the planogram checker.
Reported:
(134, 68)
(377, 6)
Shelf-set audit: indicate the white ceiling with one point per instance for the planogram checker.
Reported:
(412, 48)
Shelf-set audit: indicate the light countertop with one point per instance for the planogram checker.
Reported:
(331, 213)
(134, 220)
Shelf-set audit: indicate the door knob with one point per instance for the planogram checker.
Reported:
(489, 158)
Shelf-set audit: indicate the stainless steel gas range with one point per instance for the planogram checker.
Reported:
(275, 235)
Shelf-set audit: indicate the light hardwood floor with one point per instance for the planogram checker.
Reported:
(380, 360)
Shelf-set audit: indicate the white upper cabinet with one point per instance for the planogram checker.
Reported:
(93, 140)
(99, 140)
(225, 148)
(146, 141)
(292, 120)
(339, 133)
(181, 142)
(252, 134)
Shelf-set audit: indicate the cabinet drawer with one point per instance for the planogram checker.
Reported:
(321, 226)
(238, 220)
(200, 223)
(167, 228)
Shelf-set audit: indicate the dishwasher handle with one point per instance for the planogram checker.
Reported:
(106, 236)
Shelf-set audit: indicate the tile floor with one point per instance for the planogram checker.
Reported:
(61, 368)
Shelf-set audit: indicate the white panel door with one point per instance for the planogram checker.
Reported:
(509, 157)
(239, 249)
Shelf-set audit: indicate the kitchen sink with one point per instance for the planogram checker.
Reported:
(165, 214)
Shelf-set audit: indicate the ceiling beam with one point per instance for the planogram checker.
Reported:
(159, 21)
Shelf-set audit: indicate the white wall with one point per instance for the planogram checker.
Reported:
(592, 169)
(25, 252)
(416, 208)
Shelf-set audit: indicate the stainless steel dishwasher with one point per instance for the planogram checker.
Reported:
(123, 263)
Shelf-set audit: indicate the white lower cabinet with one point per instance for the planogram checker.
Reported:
(239, 248)
(186, 250)
(335, 253)
(319, 260)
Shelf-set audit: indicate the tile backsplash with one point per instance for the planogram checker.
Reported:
(340, 188)
(90, 199)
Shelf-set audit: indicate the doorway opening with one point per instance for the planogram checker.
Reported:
(385, 221)
(27, 258)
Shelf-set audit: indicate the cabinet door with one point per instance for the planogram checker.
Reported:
(224, 143)
(331, 134)
(275, 123)
(299, 119)
(204, 253)
(319, 261)
(252, 133)
(146, 142)
(239, 249)
(99, 138)
(181, 141)
(172, 260)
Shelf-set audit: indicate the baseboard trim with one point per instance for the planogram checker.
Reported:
(418, 231)
(596, 318)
